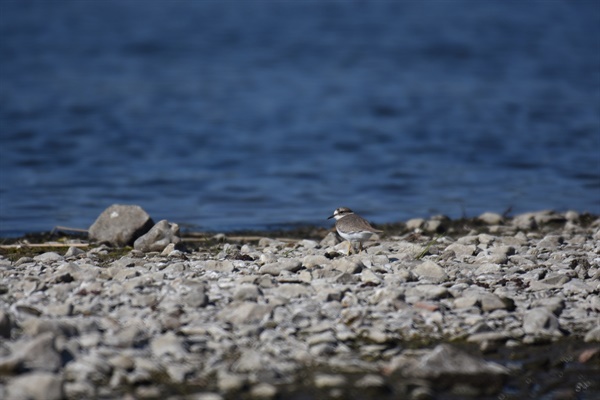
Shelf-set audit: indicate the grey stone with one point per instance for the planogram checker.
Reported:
(158, 237)
(228, 382)
(263, 390)
(312, 261)
(324, 381)
(35, 386)
(247, 292)
(225, 266)
(435, 225)
(414, 224)
(120, 225)
(524, 222)
(550, 242)
(540, 321)
(491, 302)
(309, 244)
(370, 381)
(74, 251)
(488, 268)
(290, 290)
(447, 364)
(90, 368)
(369, 277)
(572, 216)
(250, 360)
(462, 251)
(277, 268)
(428, 292)
(167, 344)
(330, 240)
(593, 335)
(348, 265)
(38, 353)
(491, 218)
(430, 271)
(48, 257)
(245, 312)
(488, 337)
(467, 301)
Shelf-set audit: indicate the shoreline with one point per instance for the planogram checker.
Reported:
(475, 308)
(441, 224)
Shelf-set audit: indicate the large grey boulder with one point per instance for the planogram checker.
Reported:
(160, 236)
(120, 225)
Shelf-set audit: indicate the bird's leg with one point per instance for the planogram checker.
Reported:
(360, 248)
(349, 246)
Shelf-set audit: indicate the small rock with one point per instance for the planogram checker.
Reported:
(369, 277)
(309, 244)
(312, 261)
(330, 240)
(462, 251)
(228, 382)
(39, 353)
(263, 391)
(245, 312)
(90, 368)
(168, 343)
(491, 302)
(435, 226)
(593, 335)
(207, 396)
(291, 290)
(550, 242)
(250, 360)
(74, 251)
(48, 257)
(540, 321)
(277, 268)
(415, 223)
(431, 271)
(553, 304)
(324, 381)
(370, 381)
(35, 386)
(524, 222)
(348, 265)
(428, 292)
(572, 216)
(247, 292)
(491, 218)
(158, 237)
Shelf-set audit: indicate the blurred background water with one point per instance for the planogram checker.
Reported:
(227, 115)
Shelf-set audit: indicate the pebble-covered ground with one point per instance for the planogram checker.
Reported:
(494, 307)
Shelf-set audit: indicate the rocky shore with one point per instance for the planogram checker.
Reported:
(432, 309)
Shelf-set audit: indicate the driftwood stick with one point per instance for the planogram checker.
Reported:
(66, 228)
(49, 244)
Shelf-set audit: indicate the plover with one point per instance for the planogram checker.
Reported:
(352, 227)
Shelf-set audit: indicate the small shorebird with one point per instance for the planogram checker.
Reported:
(352, 227)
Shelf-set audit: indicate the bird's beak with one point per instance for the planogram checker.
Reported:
(331, 217)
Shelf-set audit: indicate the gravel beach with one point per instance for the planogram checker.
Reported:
(492, 307)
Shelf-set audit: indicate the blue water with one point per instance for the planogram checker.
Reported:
(226, 115)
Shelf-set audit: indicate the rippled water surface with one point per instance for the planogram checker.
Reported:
(234, 115)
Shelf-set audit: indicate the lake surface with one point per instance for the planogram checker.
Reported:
(237, 115)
